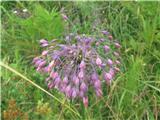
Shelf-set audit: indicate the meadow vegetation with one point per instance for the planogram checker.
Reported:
(134, 93)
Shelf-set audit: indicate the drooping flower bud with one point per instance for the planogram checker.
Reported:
(108, 78)
(64, 17)
(57, 81)
(76, 81)
(65, 80)
(82, 65)
(117, 62)
(50, 85)
(83, 87)
(116, 54)
(44, 45)
(98, 61)
(112, 72)
(110, 62)
(97, 43)
(53, 74)
(74, 92)
(94, 76)
(47, 79)
(51, 64)
(35, 60)
(99, 92)
(87, 41)
(110, 37)
(45, 69)
(81, 93)
(63, 88)
(43, 41)
(117, 45)
(41, 64)
(116, 69)
(44, 53)
(97, 84)
(105, 32)
(81, 74)
(85, 101)
(106, 48)
(103, 65)
(102, 40)
(39, 69)
(78, 37)
(68, 91)
(38, 62)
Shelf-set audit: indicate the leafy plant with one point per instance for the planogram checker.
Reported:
(22, 33)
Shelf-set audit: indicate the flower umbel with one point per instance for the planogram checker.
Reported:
(73, 67)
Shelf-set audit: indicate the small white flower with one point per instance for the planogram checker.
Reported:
(15, 12)
(25, 10)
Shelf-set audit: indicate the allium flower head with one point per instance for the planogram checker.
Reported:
(80, 63)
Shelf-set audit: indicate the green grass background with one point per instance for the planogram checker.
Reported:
(134, 94)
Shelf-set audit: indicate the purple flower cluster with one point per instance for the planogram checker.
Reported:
(80, 63)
